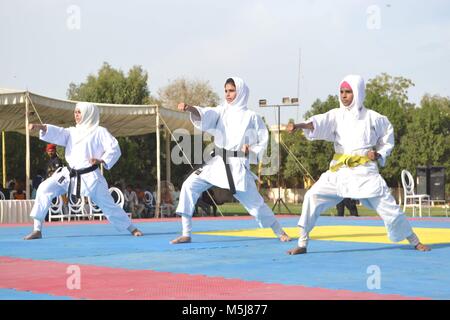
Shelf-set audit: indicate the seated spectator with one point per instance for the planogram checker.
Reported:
(20, 192)
(167, 201)
(18, 188)
(5, 192)
(10, 184)
(11, 187)
(132, 202)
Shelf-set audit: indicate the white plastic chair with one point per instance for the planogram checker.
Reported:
(56, 211)
(410, 199)
(77, 209)
(120, 201)
(148, 201)
(2, 196)
(94, 210)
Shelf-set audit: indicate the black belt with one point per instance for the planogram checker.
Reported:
(225, 154)
(77, 174)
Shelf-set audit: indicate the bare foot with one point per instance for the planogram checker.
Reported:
(422, 247)
(33, 235)
(181, 239)
(137, 233)
(297, 250)
(285, 238)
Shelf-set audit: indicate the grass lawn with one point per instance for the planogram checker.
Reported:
(233, 209)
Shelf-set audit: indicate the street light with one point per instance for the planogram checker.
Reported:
(286, 102)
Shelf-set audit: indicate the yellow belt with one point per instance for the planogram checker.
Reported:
(348, 160)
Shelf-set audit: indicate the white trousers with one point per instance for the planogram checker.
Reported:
(323, 195)
(51, 188)
(252, 201)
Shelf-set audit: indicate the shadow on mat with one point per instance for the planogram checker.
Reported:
(105, 235)
(387, 247)
(346, 236)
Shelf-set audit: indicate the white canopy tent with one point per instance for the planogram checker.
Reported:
(18, 108)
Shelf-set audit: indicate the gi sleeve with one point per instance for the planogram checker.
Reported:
(324, 127)
(207, 120)
(385, 142)
(112, 149)
(258, 148)
(56, 135)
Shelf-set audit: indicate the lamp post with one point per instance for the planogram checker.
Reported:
(286, 102)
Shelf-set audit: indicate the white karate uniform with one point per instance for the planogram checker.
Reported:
(354, 130)
(232, 126)
(98, 144)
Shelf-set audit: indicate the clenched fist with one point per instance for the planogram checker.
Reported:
(182, 106)
(33, 126)
(373, 155)
(291, 127)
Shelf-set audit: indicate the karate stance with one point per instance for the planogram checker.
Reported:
(361, 138)
(87, 145)
(240, 137)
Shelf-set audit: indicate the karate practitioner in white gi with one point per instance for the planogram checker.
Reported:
(237, 129)
(362, 139)
(86, 146)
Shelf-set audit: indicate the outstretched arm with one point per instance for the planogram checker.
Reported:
(203, 119)
(185, 107)
(318, 127)
(34, 127)
(51, 133)
(291, 127)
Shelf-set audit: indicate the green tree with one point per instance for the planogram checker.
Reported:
(388, 96)
(113, 86)
(427, 140)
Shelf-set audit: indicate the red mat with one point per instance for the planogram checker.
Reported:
(48, 277)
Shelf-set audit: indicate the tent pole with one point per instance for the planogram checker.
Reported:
(158, 166)
(27, 155)
(259, 174)
(168, 162)
(4, 159)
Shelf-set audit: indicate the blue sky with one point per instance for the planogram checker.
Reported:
(212, 40)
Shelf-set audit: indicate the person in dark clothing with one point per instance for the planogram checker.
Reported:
(206, 203)
(5, 192)
(351, 206)
(40, 176)
(54, 163)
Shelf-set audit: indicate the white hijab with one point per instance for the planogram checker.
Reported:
(233, 113)
(242, 92)
(359, 94)
(90, 118)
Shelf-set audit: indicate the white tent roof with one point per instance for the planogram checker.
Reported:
(120, 120)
